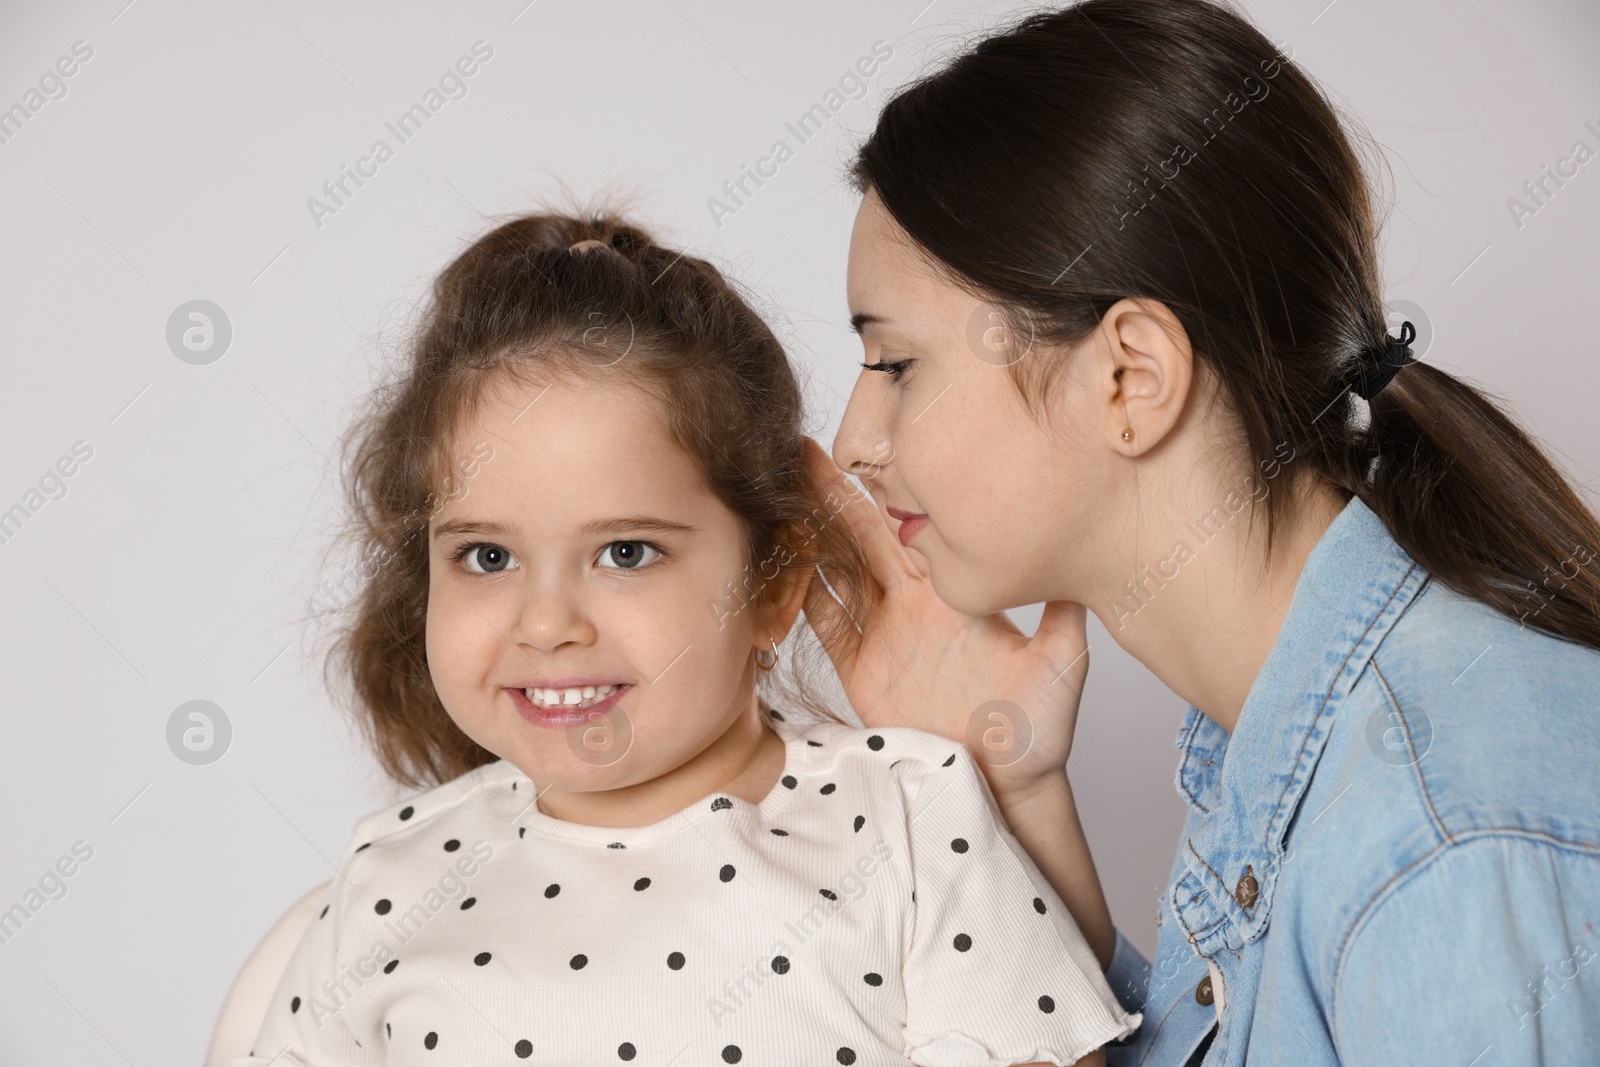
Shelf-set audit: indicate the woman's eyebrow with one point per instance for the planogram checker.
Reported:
(861, 318)
(884, 330)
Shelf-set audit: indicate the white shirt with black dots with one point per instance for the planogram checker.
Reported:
(872, 909)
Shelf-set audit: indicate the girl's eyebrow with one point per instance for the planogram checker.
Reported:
(594, 527)
(463, 526)
(635, 522)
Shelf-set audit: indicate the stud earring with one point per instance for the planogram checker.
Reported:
(768, 666)
(1127, 435)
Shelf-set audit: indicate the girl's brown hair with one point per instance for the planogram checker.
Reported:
(519, 304)
(1166, 149)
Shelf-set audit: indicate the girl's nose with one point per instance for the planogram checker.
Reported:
(553, 616)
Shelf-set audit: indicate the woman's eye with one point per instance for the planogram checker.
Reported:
(629, 555)
(894, 368)
(491, 559)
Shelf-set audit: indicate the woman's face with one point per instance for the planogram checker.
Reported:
(587, 551)
(949, 437)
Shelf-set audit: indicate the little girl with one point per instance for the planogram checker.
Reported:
(626, 854)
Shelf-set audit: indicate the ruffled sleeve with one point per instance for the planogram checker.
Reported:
(997, 973)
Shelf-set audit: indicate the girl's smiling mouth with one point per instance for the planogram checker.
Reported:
(565, 705)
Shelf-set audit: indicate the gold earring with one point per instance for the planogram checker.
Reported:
(1127, 435)
(768, 666)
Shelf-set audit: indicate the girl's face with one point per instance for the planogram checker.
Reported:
(588, 552)
(948, 439)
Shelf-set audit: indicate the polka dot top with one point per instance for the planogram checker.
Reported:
(872, 909)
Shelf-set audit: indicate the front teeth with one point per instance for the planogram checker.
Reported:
(586, 697)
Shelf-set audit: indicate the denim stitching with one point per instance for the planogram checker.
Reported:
(1321, 708)
(1588, 848)
(1202, 859)
(1183, 783)
(1159, 1026)
(1427, 798)
(1190, 935)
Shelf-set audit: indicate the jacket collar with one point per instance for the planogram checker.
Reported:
(1355, 584)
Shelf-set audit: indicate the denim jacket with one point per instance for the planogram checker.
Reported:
(1395, 857)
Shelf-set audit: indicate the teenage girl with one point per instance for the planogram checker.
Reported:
(596, 528)
(1116, 275)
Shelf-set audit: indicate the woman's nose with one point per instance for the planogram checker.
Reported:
(861, 446)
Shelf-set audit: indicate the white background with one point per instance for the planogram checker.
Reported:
(185, 551)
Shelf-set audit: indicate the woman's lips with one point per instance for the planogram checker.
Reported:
(910, 523)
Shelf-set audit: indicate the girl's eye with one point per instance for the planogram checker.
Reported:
(893, 368)
(630, 555)
(493, 558)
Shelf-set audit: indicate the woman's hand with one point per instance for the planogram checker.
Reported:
(1013, 700)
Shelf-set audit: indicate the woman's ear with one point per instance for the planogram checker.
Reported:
(1147, 370)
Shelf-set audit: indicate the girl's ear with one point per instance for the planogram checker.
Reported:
(789, 593)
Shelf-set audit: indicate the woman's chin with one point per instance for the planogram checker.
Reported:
(975, 592)
(962, 592)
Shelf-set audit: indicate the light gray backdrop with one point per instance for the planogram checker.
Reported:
(175, 163)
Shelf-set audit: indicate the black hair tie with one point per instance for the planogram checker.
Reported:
(1367, 381)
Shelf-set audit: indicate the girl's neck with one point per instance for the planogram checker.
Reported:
(744, 761)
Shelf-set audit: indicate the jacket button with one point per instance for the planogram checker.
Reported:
(1245, 892)
(1202, 992)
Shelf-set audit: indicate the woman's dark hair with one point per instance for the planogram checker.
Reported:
(519, 304)
(1165, 149)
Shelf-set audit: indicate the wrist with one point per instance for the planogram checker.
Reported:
(1022, 792)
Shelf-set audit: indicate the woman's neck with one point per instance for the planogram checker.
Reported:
(745, 761)
(1207, 633)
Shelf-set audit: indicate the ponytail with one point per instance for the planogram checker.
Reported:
(1473, 499)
